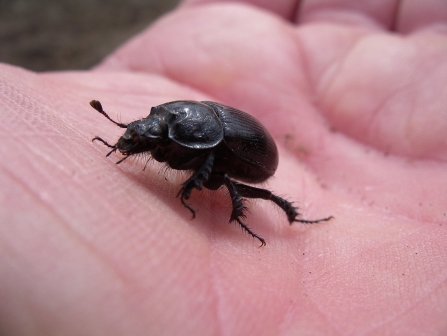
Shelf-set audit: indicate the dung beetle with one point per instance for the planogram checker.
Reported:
(218, 144)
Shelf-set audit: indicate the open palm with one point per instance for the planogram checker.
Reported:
(355, 97)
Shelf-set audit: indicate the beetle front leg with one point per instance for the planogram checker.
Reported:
(196, 182)
(238, 208)
(285, 205)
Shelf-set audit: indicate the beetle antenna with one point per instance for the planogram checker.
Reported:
(98, 107)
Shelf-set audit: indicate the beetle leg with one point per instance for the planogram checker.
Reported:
(196, 182)
(114, 148)
(97, 138)
(286, 206)
(238, 208)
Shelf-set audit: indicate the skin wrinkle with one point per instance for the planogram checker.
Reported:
(295, 12)
(68, 228)
(413, 304)
(348, 13)
(303, 60)
(283, 8)
(115, 272)
(161, 65)
(172, 74)
(378, 207)
(29, 117)
(341, 62)
(313, 302)
(367, 139)
(349, 19)
(215, 281)
(407, 125)
(31, 149)
(29, 315)
(408, 309)
(377, 112)
(397, 11)
(221, 316)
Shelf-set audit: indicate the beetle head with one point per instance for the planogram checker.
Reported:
(142, 135)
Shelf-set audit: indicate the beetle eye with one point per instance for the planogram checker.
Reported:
(133, 135)
(155, 130)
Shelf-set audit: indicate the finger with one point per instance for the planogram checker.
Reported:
(385, 91)
(416, 15)
(375, 14)
(247, 57)
(401, 16)
(283, 8)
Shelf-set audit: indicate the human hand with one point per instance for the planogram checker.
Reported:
(358, 111)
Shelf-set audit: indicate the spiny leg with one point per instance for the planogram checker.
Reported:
(103, 141)
(114, 148)
(238, 208)
(286, 206)
(196, 181)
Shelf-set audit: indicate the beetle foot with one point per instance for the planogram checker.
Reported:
(288, 207)
(184, 194)
(238, 212)
(193, 212)
(305, 221)
(238, 209)
(292, 211)
(251, 233)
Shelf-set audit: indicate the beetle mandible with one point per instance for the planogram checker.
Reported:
(217, 143)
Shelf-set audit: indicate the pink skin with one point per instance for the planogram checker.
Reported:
(359, 114)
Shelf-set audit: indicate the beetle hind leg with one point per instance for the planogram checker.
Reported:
(285, 205)
(239, 208)
(291, 211)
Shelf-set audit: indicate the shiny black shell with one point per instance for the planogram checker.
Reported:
(248, 151)
(243, 147)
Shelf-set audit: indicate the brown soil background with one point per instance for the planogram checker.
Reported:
(47, 35)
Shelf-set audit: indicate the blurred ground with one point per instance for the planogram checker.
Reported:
(65, 34)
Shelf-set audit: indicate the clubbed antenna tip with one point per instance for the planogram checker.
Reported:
(98, 107)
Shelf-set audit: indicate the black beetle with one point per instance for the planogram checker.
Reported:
(216, 143)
